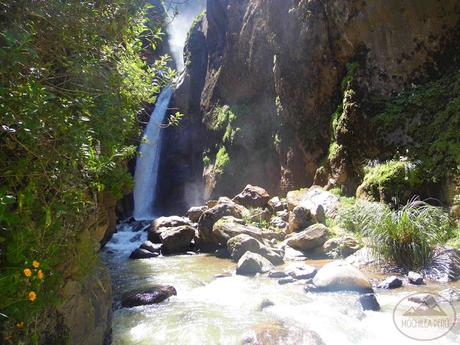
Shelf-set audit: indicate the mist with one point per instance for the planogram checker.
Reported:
(180, 25)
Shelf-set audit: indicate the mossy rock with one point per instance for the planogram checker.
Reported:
(392, 181)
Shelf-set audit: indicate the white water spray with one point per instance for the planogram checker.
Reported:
(147, 164)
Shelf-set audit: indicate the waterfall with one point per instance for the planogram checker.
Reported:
(146, 174)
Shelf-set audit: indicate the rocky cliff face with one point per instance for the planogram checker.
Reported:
(291, 86)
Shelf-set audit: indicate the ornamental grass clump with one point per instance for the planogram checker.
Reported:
(407, 237)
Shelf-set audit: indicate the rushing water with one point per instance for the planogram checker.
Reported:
(145, 177)
(210, 310)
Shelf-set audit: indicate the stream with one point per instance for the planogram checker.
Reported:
(224, 310)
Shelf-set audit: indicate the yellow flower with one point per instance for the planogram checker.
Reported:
(40, 274)
(27, 272)
(36, 264)
(32, 296)
(20, 325)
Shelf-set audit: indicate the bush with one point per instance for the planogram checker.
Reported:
(407, 237)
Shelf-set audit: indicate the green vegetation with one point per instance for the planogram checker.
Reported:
(223, 120)
(72, 82)
(431, 114)
(222, 160)
(405, 237)
(394, 179)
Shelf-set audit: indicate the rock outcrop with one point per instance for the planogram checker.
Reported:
(282, 69)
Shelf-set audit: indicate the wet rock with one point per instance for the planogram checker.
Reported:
(304, 272)
(311, 238)
(277, 205)
(177, 240)
(252, 197)
(223, 275)
(161, 224)
(207, 220)
(415, 278)
(142, 254)
(135, 238)
(286, 280)
(369, 302)
(252, 263)
(277, 274)
(265, 304)
(425, 299)
(194, 213)
(341, 276)
(153, 295)
(389, 283)
(227, 227)
(445, 265)
(151, 247)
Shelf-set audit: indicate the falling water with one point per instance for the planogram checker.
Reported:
(145, 177)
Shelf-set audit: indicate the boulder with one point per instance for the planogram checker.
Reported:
(316, 195)
(341, 276)
(177, 240)
(368, 301)
(311, 238)
(286, 280)
(241, 244)
(153, 295)
(277, 274)
(207, 241)
(445, 265)
(389, 283)
(194, 213)
(151, 247)
(162, 223)
(228, 227)
(140, 253)
(252, 197)
(304, 215)
(277, 205)
(341, 247)
(415, 278)
(292, 254)
(251, 263)
(278, 223)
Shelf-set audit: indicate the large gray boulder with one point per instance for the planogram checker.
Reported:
(227, 227)
(177, 240)
(251, 263)
(309, 239)
(252, 197)
(341, 276)
(161, 224)
(153, 295)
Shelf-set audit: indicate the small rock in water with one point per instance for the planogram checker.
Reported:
(389, 283)
(311, 288)
(277, 274)
(286, 280)
(265, 304)
(426, 299)
(142, 254)
(369, 302)
(415, 278)
(305, 272)
(223, 275)
(148, 296)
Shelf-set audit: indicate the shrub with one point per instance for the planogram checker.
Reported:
(408, 236)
